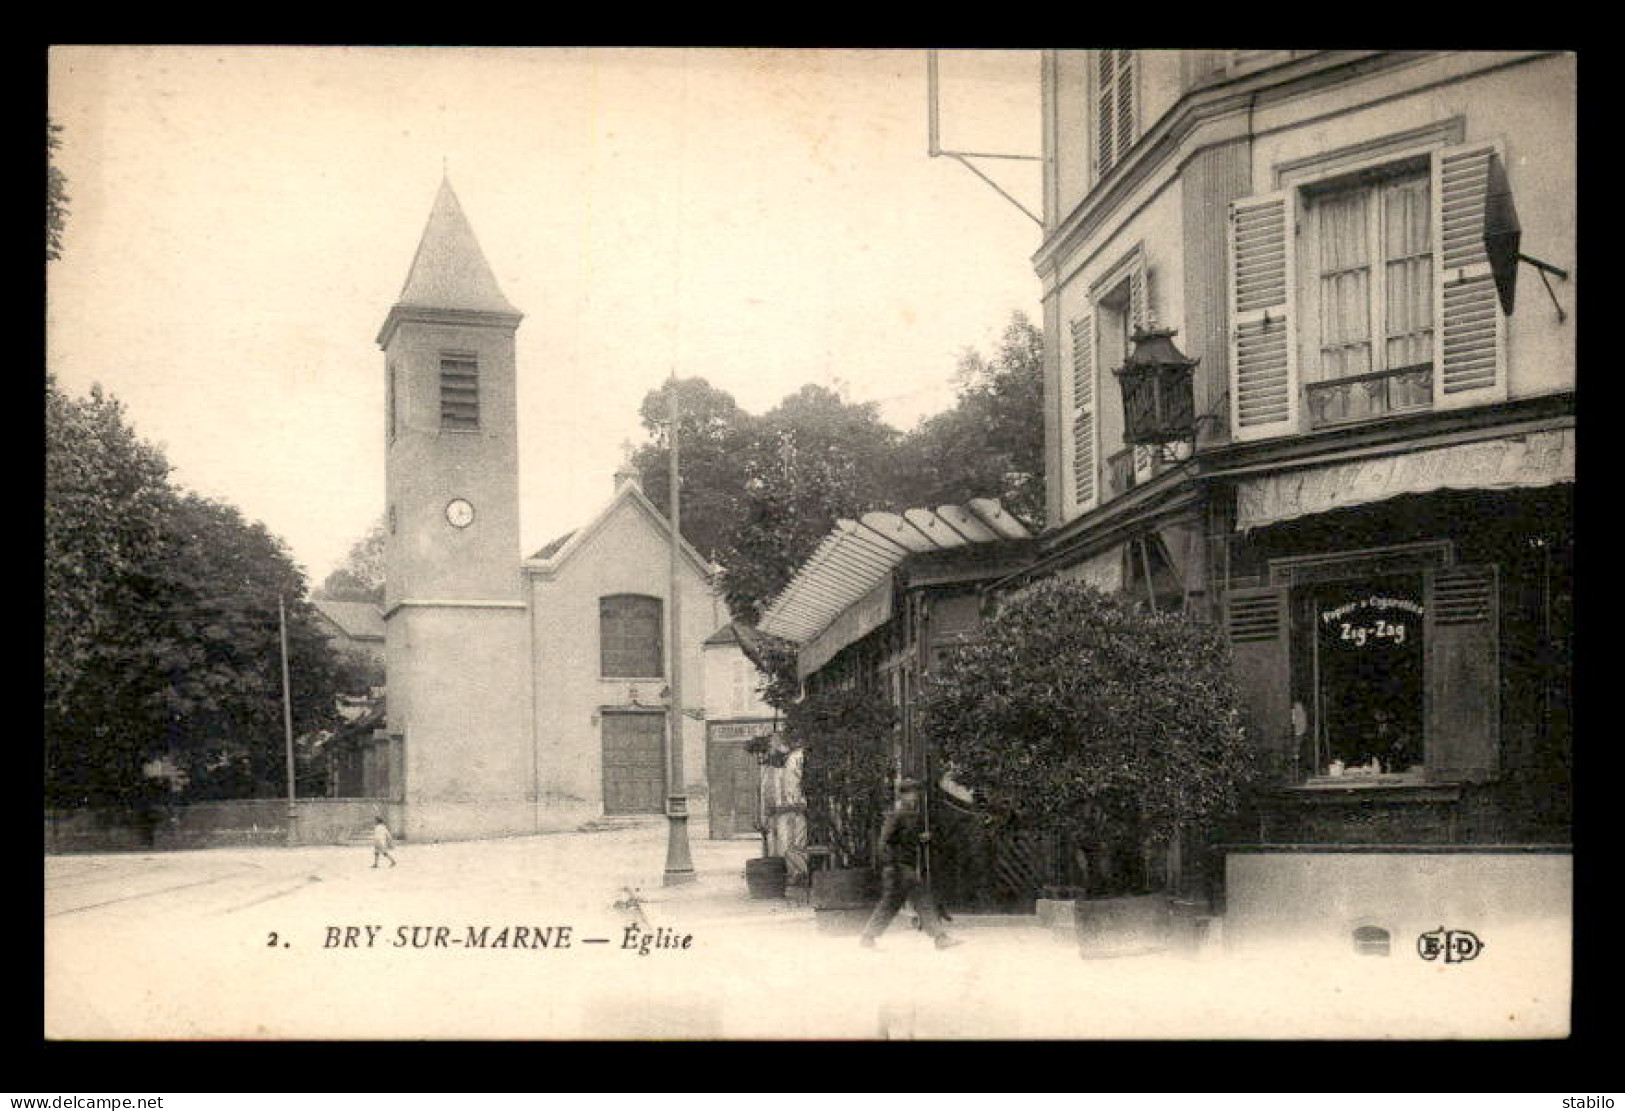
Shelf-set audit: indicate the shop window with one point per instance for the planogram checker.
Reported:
(1362, 715)
(1386, 677)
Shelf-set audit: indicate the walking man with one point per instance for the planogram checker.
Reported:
(382, 841)
(900, 841)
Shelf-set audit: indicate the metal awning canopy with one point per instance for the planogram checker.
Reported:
(857, 556)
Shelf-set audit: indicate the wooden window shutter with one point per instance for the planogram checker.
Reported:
(1469, 335)
(1257, 624)
(1105, 110)
(1263, 336)
(1462, 709)
(1083, 411)
(1116, 111)
(1126, 108)
(1139, 300)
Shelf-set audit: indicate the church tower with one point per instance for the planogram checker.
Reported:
(456, 628)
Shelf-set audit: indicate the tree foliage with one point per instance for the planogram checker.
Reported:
(56, 194)
(714, 435)
(846, 775)
(1082, 714)
(360, 578)
(991, 443)
(760, 492)
(815, 459)
(161, 620)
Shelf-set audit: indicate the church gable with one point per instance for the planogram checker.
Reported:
(629, 532)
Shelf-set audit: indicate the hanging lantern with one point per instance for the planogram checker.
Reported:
(1159, 401)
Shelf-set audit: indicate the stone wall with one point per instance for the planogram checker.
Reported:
(202, 825)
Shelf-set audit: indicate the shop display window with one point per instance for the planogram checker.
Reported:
(1359, 710)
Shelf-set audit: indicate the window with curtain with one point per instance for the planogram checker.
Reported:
(1375, 276)
(630, 637)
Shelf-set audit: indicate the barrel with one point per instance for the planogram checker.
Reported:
(765, 877)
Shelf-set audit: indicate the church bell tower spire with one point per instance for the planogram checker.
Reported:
(455, 616)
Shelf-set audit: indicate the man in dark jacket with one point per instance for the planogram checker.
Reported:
(900, 841)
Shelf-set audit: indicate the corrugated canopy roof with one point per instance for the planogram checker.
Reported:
(856, 555)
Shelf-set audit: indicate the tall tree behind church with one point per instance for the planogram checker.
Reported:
(715, 436)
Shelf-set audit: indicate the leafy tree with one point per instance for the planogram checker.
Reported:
(714, 436)
(360, 578)
(991, 444)
(846, 776)
(224, 577)
(161, 631)
(815, 459)
(1081, 714)
(760, 493)
(107, 495)
(56, 195)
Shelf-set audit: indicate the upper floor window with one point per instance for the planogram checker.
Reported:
(1363, 295)
(630, 637)
(459, 392)
(1101, 336)
(1370, 249)
(1116, 107)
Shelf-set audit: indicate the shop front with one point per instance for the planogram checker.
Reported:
(1407, 664)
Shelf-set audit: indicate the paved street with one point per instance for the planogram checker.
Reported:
(250, 944)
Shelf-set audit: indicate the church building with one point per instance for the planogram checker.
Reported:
(523, 694)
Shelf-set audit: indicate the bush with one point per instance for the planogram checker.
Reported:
(846, 772)
(1079, 714)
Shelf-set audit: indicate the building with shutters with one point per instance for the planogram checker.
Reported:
(523, 694)
(1376, 497)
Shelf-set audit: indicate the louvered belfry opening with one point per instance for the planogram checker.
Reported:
(459, 392)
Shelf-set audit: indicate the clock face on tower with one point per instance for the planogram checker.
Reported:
(460, 512)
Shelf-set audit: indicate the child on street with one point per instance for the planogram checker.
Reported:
(382, 842)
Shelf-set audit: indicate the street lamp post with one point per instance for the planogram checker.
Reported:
(679, 866)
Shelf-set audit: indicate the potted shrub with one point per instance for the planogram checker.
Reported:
(1085, 717)
(846, 779)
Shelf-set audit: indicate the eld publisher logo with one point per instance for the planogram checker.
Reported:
(1455, 946)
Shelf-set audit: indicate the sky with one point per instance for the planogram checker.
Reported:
(241, 219)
